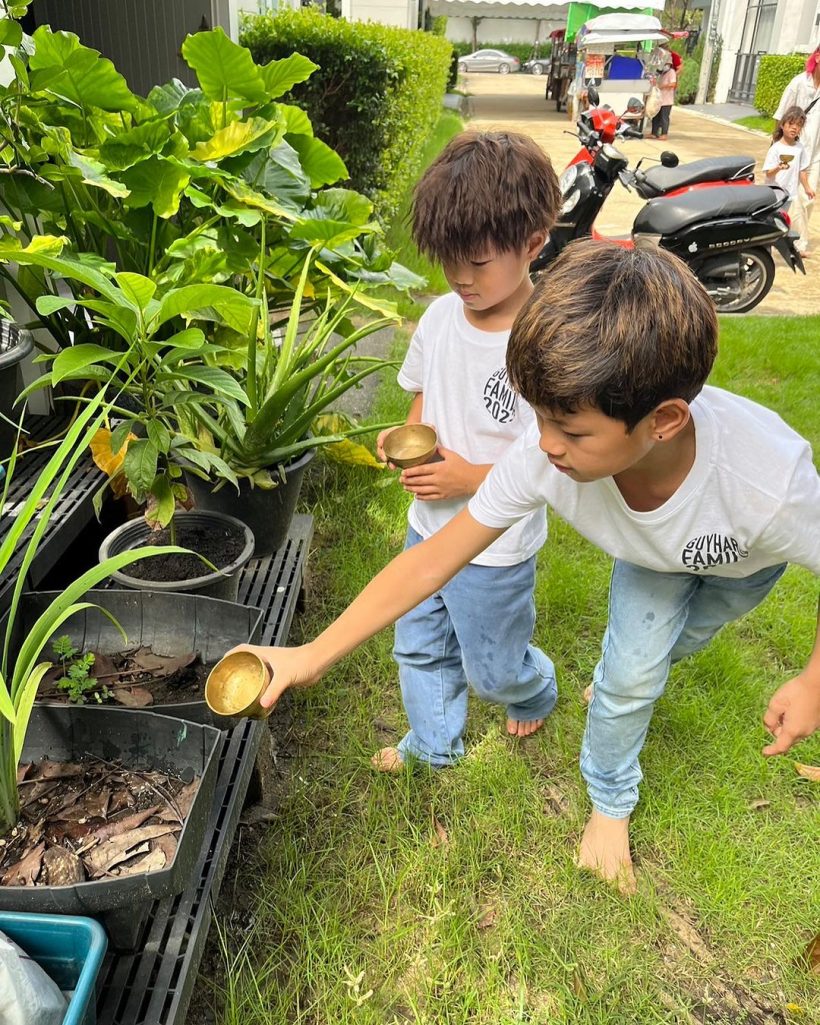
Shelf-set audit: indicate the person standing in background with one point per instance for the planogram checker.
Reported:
(804, 91)
(667, 83)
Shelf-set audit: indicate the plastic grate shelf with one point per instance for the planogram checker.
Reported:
(153, 986)
(72, 512)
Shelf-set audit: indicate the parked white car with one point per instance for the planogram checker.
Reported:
(489, 60)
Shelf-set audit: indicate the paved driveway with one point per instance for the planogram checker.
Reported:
(516, 103)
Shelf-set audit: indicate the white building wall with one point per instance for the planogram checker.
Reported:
(796, 28)
(501, 30)
(398, 13)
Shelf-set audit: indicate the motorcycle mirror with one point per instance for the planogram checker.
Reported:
(594, 96)
(669, 159)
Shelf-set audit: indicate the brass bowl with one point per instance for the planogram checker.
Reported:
(410, 445)
(235, 685)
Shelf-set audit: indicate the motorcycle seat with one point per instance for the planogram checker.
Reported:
(711, 169)
(666, 215)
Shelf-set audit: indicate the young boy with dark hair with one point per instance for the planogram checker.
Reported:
(482, 210)
(701, 496)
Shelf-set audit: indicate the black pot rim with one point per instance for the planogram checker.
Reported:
(21, 345)
(193, 582)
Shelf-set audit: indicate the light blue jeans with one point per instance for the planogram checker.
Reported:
(474, 632)
(655, 619)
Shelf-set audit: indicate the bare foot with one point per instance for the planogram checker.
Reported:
(587, 694)
(605, 851)
(517, 728)
(389, 759)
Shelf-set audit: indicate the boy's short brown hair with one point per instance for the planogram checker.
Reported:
(621, 330)
(484, 190)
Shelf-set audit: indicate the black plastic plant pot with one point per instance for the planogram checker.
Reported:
(15, 345)
(267, 511)
(224, 584)
(170, 624)
(136, 740)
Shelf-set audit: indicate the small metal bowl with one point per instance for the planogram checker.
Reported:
(410, 445)
(235, 685)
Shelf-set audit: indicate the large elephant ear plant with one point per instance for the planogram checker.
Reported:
(183, 186)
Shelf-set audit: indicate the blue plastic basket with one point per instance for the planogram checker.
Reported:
(68, 948)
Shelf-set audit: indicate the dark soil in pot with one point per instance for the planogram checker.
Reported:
(220, 546)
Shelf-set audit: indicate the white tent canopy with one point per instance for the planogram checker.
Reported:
(547, 10)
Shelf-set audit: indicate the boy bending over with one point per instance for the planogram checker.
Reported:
(701, 496)
(482, 209)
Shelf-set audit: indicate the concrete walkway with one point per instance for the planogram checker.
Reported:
(516, 103)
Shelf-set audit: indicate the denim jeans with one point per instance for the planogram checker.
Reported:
(475, 632)
(655, 619)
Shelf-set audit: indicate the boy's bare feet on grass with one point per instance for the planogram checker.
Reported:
(605, 851)
(389, 759)
(517, 728)
(587, 694)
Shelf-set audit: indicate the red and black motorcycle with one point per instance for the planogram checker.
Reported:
(723, 232)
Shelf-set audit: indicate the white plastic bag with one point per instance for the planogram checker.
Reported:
(653, 101)
(27, 995)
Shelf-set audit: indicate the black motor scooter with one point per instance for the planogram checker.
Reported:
(725, 233)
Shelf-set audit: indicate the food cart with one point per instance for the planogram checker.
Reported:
(619, 55)
(564, 66)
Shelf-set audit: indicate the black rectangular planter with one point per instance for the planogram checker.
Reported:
(137, 740)
(171, 624)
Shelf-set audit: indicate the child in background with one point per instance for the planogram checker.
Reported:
(701, 496)
(787, 161)
(482, 209)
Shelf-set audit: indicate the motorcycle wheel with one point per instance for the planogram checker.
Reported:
(756, 278)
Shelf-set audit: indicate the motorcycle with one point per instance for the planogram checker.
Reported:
(600, 125)
(723, 232)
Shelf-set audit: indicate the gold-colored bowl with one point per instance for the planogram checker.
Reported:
(410, 445)
(235, 685)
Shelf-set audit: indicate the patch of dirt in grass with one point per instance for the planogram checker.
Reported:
(711, 998)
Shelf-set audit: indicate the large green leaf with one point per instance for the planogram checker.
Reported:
(280, 76)
(11, 34)
(237, 137)
(342, 205)
(207, 302)
(323, 164)
(93, 173)
(279, 174)
(296, 120)
(140, 466)
(127, 148)
(77, 73)
(156, 181)
(219, 381)
(331, 233)
(224, 69)
(75, 359)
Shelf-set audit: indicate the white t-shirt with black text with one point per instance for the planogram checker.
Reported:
(461, 372)
(751, 499)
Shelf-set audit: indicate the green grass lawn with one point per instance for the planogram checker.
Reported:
(759, 122)
(451, 898)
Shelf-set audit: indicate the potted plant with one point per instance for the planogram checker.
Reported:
(15, 346)
(157, 373)
(141, 739)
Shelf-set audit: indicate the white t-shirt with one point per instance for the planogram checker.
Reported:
(461, 372)
(790, 178)
(751, 499)
(801, 92)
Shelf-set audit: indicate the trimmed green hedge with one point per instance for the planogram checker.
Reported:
(375, 98)
(775, 72)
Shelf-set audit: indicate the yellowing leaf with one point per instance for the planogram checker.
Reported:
(234, 138)
(110, 462)
(808, 771)
(353, 454)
